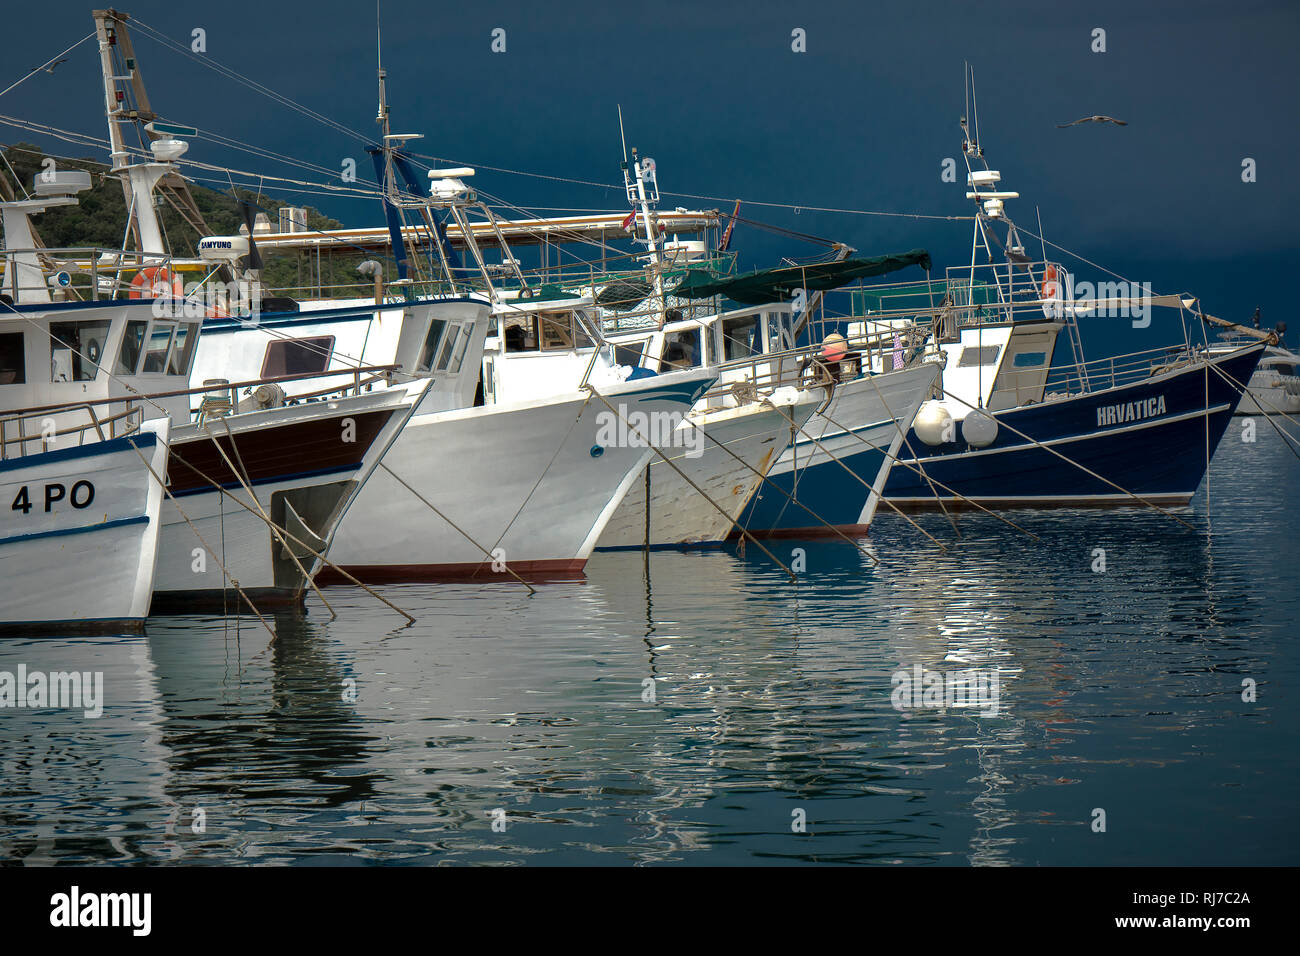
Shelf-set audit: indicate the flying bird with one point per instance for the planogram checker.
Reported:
(49, 67)
(1093, 119)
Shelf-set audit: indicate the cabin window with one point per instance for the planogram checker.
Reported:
(430, 348)
(682, 349)
(461, 348)
(561, 332)
(76, 349)
(779, 336)
(187, 339)
(520, 333)
(156, 347)
(1029, 359)
(740, 337)
(448, 343)
(13, 369)
(629, 354)
(298, 356)
(128, 357)
(974, 355)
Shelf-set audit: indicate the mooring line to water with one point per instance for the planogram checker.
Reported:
(1070, 461)
(545, 471)
(902, 431)
(1287, 439)
(430, 505)
(790, 498)
(934, 481)
(261, 512)
(861, 481)
(181, 511)
(297, 540)
(705, 495)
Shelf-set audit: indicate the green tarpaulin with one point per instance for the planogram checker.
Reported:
(780, 285)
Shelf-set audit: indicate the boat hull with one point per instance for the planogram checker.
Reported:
(531, 483)
(79, 539)
(680, 516)
(839, 477)
(1151, 438)
(309, 459)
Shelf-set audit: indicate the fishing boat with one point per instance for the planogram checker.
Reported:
(254, 490)
(79, 538)
(82, 489)
(811, 464)
(550, 468)
(1274, 389)
(1011, 426)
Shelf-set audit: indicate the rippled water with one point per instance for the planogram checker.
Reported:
(1119, 691)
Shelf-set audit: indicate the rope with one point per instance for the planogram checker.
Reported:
(703, 494)
(317, 554)
(1083, 468)
(790, 498)
(208, 548)
(465, 534)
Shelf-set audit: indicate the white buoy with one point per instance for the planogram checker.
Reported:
(933, 423)
(979, 429)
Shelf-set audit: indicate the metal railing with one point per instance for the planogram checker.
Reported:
(40, 431)
(92, 272)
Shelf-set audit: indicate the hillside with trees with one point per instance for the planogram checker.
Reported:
(99, 221)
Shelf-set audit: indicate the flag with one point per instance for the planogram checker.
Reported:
(627, 223)
(726, 236)
(898, 352)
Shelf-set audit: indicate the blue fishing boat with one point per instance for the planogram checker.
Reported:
(1011, 427)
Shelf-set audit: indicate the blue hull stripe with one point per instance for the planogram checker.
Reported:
(65, 532)
(143, 441)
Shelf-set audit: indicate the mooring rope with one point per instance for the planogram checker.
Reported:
(704, 494)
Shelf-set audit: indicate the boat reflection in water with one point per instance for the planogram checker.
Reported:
(703, 717)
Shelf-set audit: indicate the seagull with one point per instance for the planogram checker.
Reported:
(49, 67)
(1093, 119)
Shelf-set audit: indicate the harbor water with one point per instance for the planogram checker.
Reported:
(1144, 706)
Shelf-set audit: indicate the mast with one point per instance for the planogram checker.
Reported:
(641, 182)
(127, 102)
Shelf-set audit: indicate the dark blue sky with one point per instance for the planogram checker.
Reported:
(862, 120)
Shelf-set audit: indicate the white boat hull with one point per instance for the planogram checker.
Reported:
(756, 434)
(79, 533)
(837, 479)
(530, 486)
(298, 457)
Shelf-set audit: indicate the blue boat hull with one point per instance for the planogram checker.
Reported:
(1150, 439)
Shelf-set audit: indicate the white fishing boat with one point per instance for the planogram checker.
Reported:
(695, 495)
(845, 428)
(1274, 388)
(79, 535)
(82, 490)
(522, 487)
(103, 338)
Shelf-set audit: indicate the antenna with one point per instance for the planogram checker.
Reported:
(965, 82)
(621, 135)
(382, 118)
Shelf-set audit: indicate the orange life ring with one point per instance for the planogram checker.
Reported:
(1051, 289)
(155, 281)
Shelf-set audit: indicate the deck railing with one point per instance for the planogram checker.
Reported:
(34, 432)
